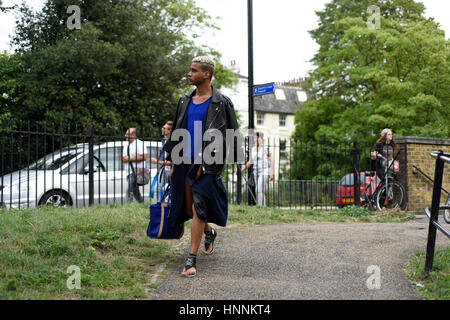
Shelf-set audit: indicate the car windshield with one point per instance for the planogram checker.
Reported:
(56, 159)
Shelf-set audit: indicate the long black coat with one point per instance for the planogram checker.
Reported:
(209, 195)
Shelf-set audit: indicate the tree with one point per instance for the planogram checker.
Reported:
(125, 66)
(5, 9)
(367, 79)
(10, 66)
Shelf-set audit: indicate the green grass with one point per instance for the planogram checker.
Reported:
(110, 246)
(257, 215)
(437, 285)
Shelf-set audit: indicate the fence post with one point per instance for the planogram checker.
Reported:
(91, 165)
(356, 157)
(239, 185)
(438, 174)
(250, 190)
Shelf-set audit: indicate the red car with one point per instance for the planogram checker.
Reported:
(345, 189)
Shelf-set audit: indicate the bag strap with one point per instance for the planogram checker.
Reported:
(166, 193)
(129, 162)
(161, 170)
(161, 224)
(168, 205)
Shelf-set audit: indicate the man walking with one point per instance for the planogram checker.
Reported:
(133, 157)
(197, 189)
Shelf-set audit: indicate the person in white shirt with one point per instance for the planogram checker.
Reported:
(262, 161)
(133, 157)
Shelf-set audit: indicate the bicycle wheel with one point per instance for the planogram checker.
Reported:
(394, 198)
(447, 211)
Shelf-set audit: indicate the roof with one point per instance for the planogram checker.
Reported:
(270, 104)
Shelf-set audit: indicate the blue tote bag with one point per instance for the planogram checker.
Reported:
(158, 227)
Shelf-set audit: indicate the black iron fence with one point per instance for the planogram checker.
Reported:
(76, 166)
(70, 166)
(433, 212)
(310, 175)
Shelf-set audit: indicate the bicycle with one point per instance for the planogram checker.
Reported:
(389, 194)
(447, 210)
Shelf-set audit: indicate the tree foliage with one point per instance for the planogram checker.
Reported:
(126, 65)
(10, 66)
(5, 9)
(366, 79)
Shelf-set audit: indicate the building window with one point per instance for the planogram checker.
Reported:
(260, 119)
(283, 151)
(282, 145)
(282, 121)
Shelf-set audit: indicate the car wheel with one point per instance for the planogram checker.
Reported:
(56, 198)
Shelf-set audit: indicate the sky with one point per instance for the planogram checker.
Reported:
(281, 43)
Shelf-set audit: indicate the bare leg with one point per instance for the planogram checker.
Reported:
(197, 226)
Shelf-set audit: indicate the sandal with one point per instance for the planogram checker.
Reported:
(210, 236)
(190, 263)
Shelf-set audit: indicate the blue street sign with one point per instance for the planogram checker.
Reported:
(264, 89)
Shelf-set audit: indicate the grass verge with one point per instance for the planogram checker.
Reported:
(262, 215)
(107, 243)
(110, 247)
(437, 285)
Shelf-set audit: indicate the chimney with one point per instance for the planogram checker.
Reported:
(234, 67)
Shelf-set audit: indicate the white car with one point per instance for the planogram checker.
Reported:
(62, 178)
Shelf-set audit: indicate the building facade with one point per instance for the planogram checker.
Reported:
(274, 113)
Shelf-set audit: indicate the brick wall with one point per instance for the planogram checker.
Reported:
(417, 153)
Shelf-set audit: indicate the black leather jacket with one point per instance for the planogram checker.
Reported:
(220, 116)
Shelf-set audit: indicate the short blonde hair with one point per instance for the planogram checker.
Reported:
(206, 63)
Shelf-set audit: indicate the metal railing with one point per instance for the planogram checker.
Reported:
(433, 212)
(428, 178)
(306, 174)
(309, 175)
(74, 165)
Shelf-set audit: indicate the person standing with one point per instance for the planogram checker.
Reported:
(384, 146)
(197, 189)
(133, 157)
(164, 166)
(262, 161)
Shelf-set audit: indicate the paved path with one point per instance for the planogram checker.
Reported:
(303, 261)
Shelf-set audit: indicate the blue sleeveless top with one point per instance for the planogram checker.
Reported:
(196, 115)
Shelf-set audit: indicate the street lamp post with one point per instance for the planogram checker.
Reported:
(251, 124)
